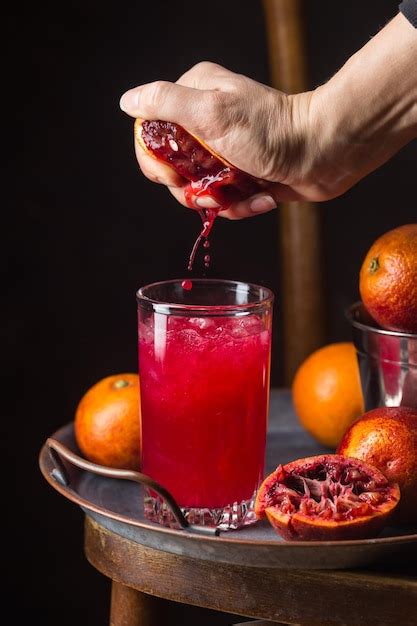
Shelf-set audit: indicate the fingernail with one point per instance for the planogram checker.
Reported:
(261, 204)
(206, 202)
(129, 101)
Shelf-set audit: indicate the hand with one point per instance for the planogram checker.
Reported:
(251, 125)
(308, 146)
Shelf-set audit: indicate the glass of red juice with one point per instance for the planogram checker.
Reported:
(204, 364)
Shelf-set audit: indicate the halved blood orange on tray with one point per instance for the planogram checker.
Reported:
(208, 173)
(326, 498)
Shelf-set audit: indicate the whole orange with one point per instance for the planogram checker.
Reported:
(107, 422)
(387, 438)
(326, 392)
(388, 279)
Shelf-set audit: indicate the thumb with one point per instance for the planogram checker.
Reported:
(167, 101)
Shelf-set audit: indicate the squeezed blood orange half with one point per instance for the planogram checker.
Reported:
(207, 173)
(327, 497)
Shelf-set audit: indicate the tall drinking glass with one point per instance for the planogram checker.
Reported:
(204, 363)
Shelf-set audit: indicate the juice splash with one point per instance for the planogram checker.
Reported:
(204, 395)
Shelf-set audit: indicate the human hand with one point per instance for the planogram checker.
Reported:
(251, 125)
(308, 146)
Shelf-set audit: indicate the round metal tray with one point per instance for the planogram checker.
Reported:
(117, 505)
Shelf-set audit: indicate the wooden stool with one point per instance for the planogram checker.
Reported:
(142, 576)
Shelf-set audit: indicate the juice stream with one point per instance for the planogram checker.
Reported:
(207, 217)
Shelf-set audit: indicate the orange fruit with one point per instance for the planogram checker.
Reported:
(327, 393)
(107, 422)
(388, 279)
(387, 438)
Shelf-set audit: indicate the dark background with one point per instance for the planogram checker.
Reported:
(84, 229)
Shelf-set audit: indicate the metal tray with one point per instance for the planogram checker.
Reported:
(117, 505)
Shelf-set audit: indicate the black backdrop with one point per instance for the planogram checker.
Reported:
(86, 230)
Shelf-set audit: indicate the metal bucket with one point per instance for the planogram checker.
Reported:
(387, 361)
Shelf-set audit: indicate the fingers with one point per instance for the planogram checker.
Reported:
(162, 100)
(201, 202)
(157, 100)
(255, 205)
(166, 100)
(262, 202)
(249, 208)
(198, 100)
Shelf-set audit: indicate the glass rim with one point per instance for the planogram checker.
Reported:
(163, 306)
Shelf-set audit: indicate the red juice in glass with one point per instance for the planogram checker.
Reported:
(204, 361)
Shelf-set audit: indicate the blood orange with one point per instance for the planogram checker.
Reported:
(327, 497)
(387, 438)
(388, 279)
(208, 173)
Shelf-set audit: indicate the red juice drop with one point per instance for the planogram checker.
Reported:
(187, 285)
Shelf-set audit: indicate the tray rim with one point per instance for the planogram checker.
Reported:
(225, 536)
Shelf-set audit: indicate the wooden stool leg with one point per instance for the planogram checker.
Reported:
(134, 608)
